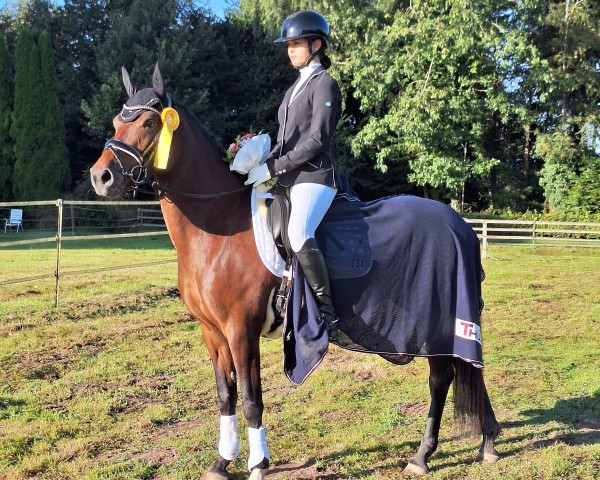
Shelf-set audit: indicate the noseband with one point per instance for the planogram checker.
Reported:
(142, 158)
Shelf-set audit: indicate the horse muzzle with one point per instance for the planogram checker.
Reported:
(107, 182)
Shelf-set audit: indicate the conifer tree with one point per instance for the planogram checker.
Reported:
(40, 169)
(26, 115)
(6, 155)
(55, 168)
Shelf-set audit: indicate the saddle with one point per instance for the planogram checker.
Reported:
(342, 238)
(278, 215)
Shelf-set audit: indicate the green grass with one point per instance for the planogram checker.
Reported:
(116, 383)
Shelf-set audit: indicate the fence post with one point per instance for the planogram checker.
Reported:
(484, 233)
(59, 204)
(533, 234)
(72, 219)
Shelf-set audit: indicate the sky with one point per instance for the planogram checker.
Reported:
(217, 6)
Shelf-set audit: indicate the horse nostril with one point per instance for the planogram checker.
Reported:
(106, 176)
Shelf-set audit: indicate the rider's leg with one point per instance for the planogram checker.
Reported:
(310, 202)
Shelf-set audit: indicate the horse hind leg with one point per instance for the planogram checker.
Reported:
(441, 375)
(473, 409)
(491, 430)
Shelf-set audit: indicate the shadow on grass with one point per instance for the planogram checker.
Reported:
(579, 418)
(323, 468)
(581, 415)
(6, 402)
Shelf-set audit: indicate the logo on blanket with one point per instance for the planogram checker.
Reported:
(468, 330)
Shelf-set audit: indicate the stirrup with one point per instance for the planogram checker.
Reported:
(331, 325)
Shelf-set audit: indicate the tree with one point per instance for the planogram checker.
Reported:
(41, 168)
(142, 33)
(79, 27)
(420, 85)
(569, 139)
(56, 166)
(6, 147)
(228, 73)
(250, 76)
(428, 86)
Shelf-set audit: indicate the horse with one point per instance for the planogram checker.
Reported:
(225, 285)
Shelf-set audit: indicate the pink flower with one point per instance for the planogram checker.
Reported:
(235, 147)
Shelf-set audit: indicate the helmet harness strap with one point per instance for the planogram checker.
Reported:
(311, 54)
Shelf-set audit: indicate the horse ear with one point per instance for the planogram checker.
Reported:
(130, 87)
(158, 84)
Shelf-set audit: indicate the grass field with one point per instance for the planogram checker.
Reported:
(116, 382)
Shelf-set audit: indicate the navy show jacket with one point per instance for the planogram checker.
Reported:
(302, 153)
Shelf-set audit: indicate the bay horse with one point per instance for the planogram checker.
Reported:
(224, 283)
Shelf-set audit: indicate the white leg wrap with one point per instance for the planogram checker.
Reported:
(229, 445)
(258, 446)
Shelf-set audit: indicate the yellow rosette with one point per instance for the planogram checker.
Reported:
(170, 122)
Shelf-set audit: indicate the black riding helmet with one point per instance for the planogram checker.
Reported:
(310, 25)
(304, 24)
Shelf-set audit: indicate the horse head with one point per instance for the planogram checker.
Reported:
(127, 157)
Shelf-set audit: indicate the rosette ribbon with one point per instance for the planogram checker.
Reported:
(170, 122)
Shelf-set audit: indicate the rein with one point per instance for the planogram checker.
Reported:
(162, 190)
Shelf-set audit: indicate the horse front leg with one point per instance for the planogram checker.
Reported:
(246, 355)
(225, 376)
(441, 375)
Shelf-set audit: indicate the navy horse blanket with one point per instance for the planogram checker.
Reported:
(406, 281)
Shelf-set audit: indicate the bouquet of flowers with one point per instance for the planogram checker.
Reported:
(235, 146)
(248, 151)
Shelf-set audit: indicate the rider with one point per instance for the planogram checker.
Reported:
(302, 160)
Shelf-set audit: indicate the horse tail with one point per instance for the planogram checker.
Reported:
(473, 413)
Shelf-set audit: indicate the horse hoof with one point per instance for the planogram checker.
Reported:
(414, 470)
(484, 457)
(258, 474)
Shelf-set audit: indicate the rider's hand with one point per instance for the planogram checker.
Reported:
(258, 174)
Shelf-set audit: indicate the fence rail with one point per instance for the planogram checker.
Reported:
(140, 220)
(147, 215)
(535, 233)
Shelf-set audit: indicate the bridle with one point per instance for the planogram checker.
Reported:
(138, 173)
(142, 158)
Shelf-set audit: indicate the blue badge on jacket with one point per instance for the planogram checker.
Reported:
(328, 104)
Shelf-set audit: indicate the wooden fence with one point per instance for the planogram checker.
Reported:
(535, 233)
(150, 217)
(147, 220)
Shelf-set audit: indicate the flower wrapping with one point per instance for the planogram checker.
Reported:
(252, 151)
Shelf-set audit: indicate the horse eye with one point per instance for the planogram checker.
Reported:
(149, 123)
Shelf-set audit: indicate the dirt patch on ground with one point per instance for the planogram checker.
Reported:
(158, 456)
(299, 471)
(179, 427)
(413, 409)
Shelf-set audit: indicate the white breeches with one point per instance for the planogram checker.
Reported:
(310, 202)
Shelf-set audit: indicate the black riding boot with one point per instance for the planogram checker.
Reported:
(315, 270)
